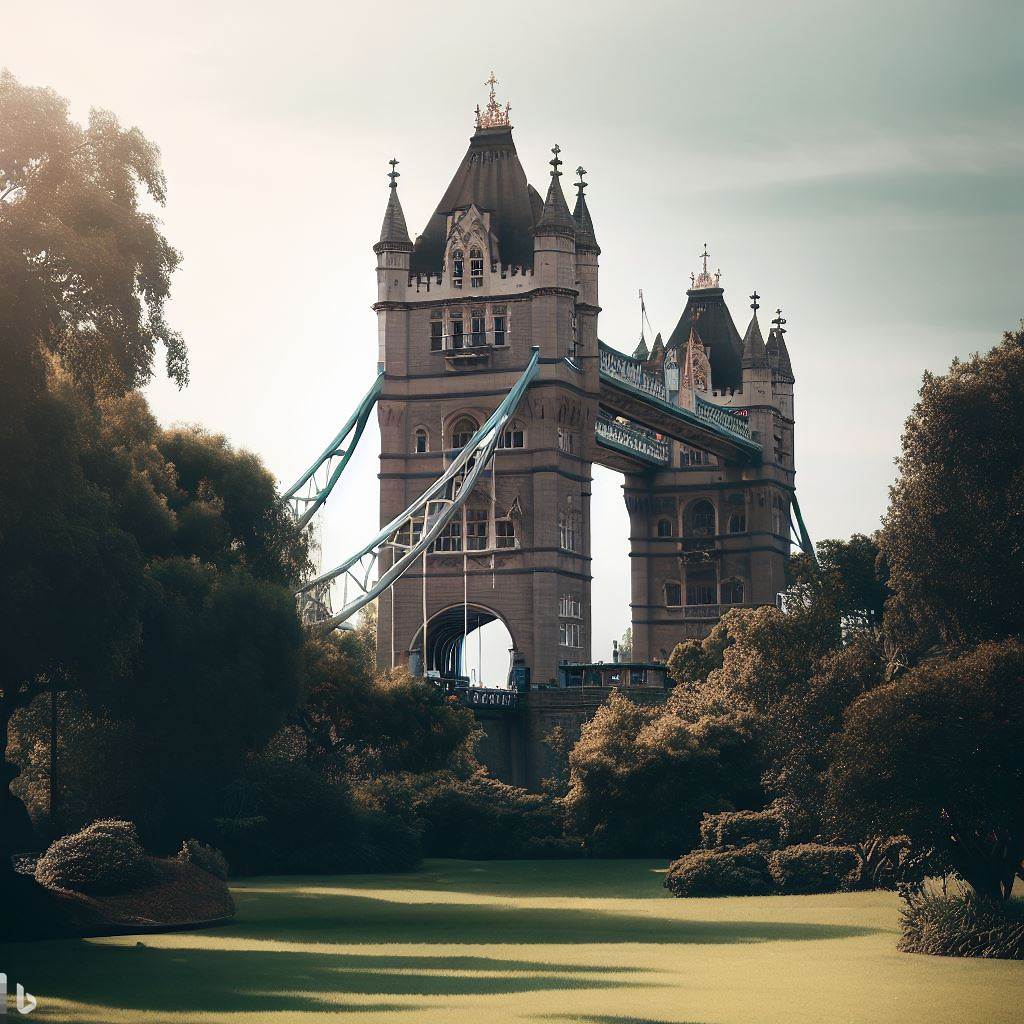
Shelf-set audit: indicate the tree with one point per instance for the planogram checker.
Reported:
(954, 533)
(84, 270)
(642, 777)
(626, 645)
(938, 754)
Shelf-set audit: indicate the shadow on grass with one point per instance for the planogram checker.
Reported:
(180, 980)
(351, 919)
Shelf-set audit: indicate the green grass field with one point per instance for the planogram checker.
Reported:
(484, 943)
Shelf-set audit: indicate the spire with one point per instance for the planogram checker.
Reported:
(555, 218)
(585, 238)
(493, 116)
(754, 352)
(640, 352)
(778, 353)
(658, 348)
(394, 235)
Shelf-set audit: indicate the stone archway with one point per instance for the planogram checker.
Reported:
(450, 637)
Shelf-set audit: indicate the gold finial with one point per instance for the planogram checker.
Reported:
(704, 279)
(493, 116)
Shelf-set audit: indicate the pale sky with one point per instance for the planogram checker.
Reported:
(860, 164)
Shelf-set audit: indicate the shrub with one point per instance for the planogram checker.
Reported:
(480, 818)
(961, 925)
(105, 857)
(741, 828)
(301, 822)
(209, 858)
(887, 862)
(812, 867)
(720, 873)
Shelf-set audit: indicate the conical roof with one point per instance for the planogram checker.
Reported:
(555, 218)
(706, 308)
(778, 354)
(640, 352)
(754, 353)
(491, 176)
(393, 232)
(585, 238)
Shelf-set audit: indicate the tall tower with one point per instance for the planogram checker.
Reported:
(496, 271)
(707, 535)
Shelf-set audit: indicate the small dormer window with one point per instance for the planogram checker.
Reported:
(458, 267)
(476, 268)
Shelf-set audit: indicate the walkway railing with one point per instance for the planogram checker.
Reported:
(630, 371)
(716, 414)
(633, 439)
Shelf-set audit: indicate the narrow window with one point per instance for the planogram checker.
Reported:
(456, 330)
(478, 327)
(436, 330)
(701, 519)
(421, 443)
(505, 533)
(701, 588)
(462, 430)
(500, 321)
(570, 634)
(732, 591)
(476, 268)
(476, 529)
(738, 522)
(451, 538)
(458, 265)
(673, 594)
(664, 527)
(512, 436)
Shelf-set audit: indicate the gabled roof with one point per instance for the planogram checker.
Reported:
(717, 332)
(491, 176)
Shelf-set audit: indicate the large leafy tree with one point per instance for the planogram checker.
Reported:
(954, 532)
(938, 754)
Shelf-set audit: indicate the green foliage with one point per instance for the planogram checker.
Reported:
(84, 270)
(557, 741)
(961, 925)
(641, 777)
(209, 858)
(480, 818)
(813, 867)
(888, 862)
(938, 755)
(954, 532)
(105, 857)
(742, 872)
(288, 818)
(742, 828)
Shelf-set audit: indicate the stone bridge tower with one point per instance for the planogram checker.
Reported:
(497, 270)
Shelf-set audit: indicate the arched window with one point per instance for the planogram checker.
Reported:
(738, 522)
(462, 430)
(513, 436)
(673, 594)
(701, 586)
(664, 527)
(420, 441)
(476, 268)
(700, 519)
(458, 267)
(732, 591)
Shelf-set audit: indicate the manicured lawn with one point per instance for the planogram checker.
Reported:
(484, 943)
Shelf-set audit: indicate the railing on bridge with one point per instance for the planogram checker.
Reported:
(634, 439)
(631, 371)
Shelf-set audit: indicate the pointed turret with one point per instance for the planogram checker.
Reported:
(658, 349)
(777, 352)
(754, 353)
(555, 218)
(585, 237)
(394, 235)
(641, 352)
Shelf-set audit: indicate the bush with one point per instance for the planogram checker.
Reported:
(812, 867)
(209, 858)
(300, 822)
(961, 925)
(720, 873)
(480, 818)
(105, 857)
(741, 828)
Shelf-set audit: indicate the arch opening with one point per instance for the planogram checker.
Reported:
(468, 643)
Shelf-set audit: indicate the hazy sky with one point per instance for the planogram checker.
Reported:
(861, 164)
